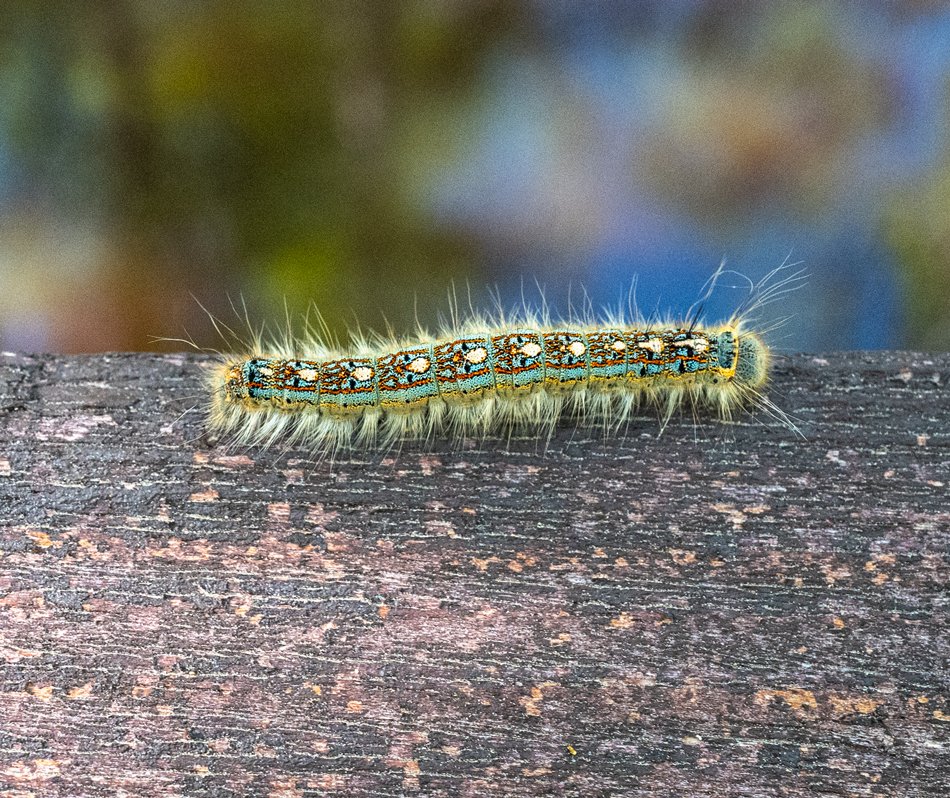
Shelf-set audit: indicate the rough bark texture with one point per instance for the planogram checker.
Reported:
(723, 610)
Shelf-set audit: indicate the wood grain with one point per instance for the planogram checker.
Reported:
(717, 611)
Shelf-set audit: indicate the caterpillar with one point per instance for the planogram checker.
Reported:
(484, 376)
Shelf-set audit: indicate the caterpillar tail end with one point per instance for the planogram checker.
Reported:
(235, 385)
(228, 396)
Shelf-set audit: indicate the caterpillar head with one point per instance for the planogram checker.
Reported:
(746, 354)
(752, 366)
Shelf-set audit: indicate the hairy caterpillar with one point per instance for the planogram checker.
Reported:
(483, 377)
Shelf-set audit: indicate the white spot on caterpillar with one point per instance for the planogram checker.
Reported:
(619, 345)
(362, 373)
(477, 355)
(577, 348)
(698, 345)
(310, 375)
(654, 345)
(531, 349)
(420, 365)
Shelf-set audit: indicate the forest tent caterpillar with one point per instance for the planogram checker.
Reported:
(483, 377)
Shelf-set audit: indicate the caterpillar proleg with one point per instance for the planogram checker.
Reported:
(480, 377)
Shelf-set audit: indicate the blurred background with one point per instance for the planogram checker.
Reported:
(366, 156)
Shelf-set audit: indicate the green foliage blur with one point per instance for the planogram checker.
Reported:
(234, 151)
(918, 227)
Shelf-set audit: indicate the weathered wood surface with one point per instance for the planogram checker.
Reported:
(721, 611)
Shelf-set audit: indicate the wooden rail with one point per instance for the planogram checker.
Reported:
(723, 610)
